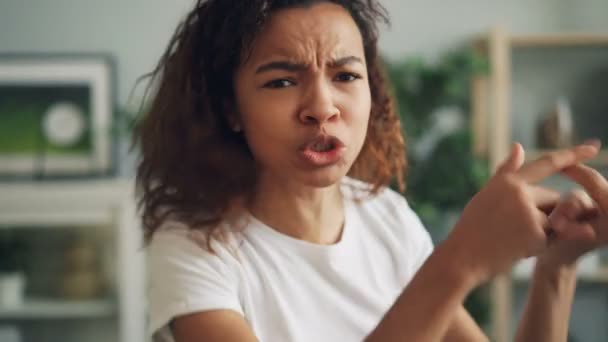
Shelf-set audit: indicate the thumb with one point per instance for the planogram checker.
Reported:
(514, 161)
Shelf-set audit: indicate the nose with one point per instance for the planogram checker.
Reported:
(319, 106)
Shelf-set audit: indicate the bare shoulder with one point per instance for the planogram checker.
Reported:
(211, 326)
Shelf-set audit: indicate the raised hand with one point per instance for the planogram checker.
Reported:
(580, 222)
(578, 227)
(507, 221)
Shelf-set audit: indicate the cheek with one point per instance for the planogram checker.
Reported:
(359, 108)
(267, 124)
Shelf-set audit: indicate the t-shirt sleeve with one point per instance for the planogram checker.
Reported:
(185, 278)
(424, 241)
(419, 240)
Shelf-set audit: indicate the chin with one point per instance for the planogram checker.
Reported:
(323, 178)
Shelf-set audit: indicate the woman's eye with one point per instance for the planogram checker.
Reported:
(281, 83)
(347, 77)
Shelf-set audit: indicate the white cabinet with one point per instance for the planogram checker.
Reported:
(49, 220)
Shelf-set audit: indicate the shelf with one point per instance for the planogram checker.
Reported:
(600, 277)
(544, 40)
(58, 309)
(78, 203)
(527, 74)
(559, 40)
(107, 204)
(600, 160)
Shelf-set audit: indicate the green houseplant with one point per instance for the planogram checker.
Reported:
(443, 173)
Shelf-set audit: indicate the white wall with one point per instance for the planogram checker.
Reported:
(136, 31)
(429, 27)
(587, 15)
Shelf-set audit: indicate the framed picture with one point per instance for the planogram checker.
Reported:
(55, 115)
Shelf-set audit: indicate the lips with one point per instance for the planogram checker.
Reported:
(322, 151)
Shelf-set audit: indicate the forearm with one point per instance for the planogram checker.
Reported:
(429, 304)
(547, 311)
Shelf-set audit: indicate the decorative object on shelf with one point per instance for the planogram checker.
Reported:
(64, 124)
(12, 277)
(81, 277)
(556, 130)
(10, 333)
(12, 287)
(55, 116)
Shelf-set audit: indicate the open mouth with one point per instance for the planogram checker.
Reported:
(322, 151)
(323, 143)
(323, 146)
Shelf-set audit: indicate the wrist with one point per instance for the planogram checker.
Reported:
(549, 264)
(459, 265)
(554, 274)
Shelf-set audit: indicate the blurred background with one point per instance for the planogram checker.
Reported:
(470, 77)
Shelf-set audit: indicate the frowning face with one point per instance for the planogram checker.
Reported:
(303, 96)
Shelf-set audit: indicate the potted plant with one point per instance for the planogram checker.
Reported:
(12, 277)
(433, 100)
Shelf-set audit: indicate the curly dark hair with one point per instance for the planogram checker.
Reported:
(194, 167)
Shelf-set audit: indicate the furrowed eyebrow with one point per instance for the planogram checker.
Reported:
(340, 62)
(281, 65)
(294, 67)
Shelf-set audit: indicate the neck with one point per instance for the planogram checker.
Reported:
(307, 213)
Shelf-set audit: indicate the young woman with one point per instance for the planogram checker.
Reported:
(267, 152)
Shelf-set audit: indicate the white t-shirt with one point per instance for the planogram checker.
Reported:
(289, 289)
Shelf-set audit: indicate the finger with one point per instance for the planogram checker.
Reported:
(556, 161)
(542, 220)
(566, 211)
(594, 142)
(575, 204)
(569, 230)
(585, 209)
(546, 199)
(572, 210)
(594, 183)
(514, 161)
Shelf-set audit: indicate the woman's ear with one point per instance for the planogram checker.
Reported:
(235, 123)
(234, 119)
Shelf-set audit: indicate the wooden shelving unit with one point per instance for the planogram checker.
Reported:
(600, 277)
(563, 40)
(492, 115)
(107, 206)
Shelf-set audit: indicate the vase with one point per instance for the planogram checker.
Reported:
(556, 130)
(12, 287)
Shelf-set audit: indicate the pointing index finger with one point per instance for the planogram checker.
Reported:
(593, 182)
(555, 162)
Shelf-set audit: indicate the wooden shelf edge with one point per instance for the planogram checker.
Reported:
(57, 309)
(557, 40)
(599, 277)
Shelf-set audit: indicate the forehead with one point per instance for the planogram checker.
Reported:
(308, 34)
